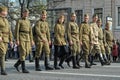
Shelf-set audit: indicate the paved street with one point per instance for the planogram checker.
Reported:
(98, 72)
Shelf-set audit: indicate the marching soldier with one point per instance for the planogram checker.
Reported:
(24, 39)
(101, 40)
(59, 42)
(5, 37)
(42, 41)
(73, 39)
(85, 39)
(108, 40)
(95, 44)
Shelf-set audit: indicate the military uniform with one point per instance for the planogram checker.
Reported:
(23, 34)
(73, 36)
(101, 41)
(108, 42)
(42, 34)
(59, 43)
(6, 35)
(85, 38)
(95, 48)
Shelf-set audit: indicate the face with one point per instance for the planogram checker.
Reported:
(95, 19)
(99, 23)
(25, 14)
(86, 19)
(61, 20)
(107, 26)
(4, 13)
(43, 17)
(73, 17)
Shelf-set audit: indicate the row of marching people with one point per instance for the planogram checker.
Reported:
(85, 37)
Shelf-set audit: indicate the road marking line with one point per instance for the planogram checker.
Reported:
(79, 74)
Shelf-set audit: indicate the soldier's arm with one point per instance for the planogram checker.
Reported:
(80, 32)
(37, 29)
(48, 33)
(56, 31)
(69, 32)
(0, 36)
(16, 33)
(10, 35)
(31, 35)
(104, 38)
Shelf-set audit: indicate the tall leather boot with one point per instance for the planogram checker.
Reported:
(55, 62)
(87, 64)
(106, 60)
(101, 59)
(74, 62)
(24, 70)
(68, 59)
(3, 72)
(47, 66)
(61, 61)
(77, 61)
(37, 66)
(92, 60)
(16, 65)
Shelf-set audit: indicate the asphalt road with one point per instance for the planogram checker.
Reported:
(97, 72)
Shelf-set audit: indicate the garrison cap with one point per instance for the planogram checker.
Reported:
(61, 16)
(94, 15)
(25, 10)
(44, 12)
(85, 15)
(3, 8)
(73, 14)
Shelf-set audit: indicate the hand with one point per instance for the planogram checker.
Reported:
(44, 40)
(50, 43)
(80, 43)
(17, 42)
(71, 43)
(1, 39)
(32, 43)
(11, 43)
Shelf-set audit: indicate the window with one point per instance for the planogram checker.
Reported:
(79, 14)
(99, 12)
(118, 16)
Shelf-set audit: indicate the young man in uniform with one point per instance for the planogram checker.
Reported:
(24, 39)
(5, 37)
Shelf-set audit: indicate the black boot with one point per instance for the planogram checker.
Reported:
(74, 62)
(55, 63)
(61, 61)
(16, 65)
(77, 61)
(101, 59)
(92, 60)
(37, 66)
(3, 72)
(106, 60)
(24, 70)
(68, 59)
(47, 66)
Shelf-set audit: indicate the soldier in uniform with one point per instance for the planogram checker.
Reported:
(5, 37)
(101, 40)
(85, 38)
(108, 35)
(42, 41)
(95, 44)
(24, 39)
(59, 42)
(73, 39)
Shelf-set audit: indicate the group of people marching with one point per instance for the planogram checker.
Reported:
(69, 41)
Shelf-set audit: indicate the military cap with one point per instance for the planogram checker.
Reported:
(3, 8)
(25, 10)
(44, 12)
(94, 15)
(73, 14)
(85, 15)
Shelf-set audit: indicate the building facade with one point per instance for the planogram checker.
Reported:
(107, 10)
